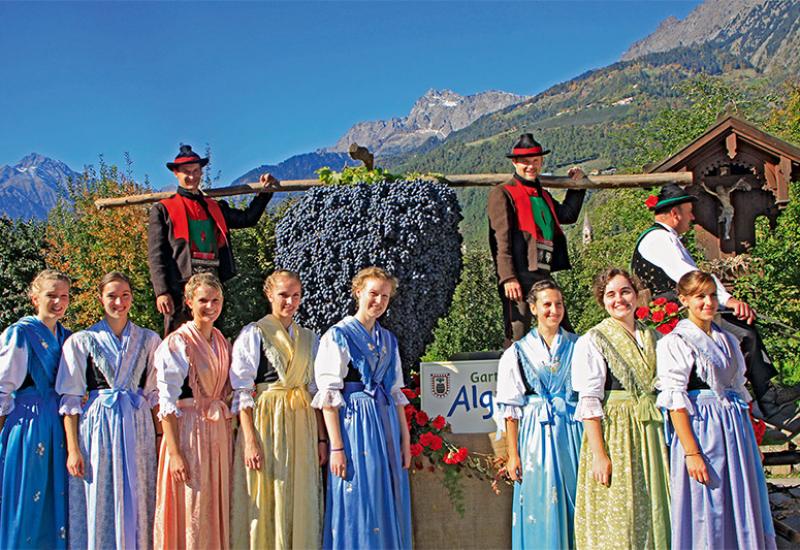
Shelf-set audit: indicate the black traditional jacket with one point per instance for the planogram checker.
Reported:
(170, 258)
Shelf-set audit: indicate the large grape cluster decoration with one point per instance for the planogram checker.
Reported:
(409, 228)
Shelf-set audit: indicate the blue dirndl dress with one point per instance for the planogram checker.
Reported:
(371, 508)
(33, 459)
(535, 386)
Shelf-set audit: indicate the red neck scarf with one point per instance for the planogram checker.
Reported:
(521, 195)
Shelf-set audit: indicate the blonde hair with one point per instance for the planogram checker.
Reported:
(46, 275)
(693, 282)
(272, 279)
(372, 272)
(201, 279)
(113, 277)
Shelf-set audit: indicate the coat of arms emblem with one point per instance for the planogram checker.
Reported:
(440, 385)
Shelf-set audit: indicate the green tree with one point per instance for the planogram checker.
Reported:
(255, 252)
(617, 218)
(772, 285)
(21, 258)
(673, 128)
(474, 322)
(784, 120)
(85, 243)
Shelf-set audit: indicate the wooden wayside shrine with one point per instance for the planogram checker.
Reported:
(739, 173)
(616, 181)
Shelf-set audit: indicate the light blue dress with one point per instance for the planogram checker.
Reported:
(33, 473)
(113, 505)
(371, 508)
(534, 386)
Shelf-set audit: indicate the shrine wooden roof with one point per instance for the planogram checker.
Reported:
(743, 130)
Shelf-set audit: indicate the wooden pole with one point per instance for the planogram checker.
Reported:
(616, 181)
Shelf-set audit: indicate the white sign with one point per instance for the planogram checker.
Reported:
(462, 392)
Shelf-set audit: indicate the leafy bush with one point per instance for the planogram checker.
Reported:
(21, 258)
(772, 286)
(474, 322)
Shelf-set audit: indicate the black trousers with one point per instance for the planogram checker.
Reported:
(517, 316)
(759, 368)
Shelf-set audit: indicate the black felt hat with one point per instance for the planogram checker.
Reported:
(669, 196)
(186, 156)
(526, 146)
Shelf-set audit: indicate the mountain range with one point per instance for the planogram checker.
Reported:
(30, 188)
(445, 132)
(433, 117)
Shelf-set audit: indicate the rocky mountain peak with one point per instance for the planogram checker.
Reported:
(701, 25)
(30, 188)
(434, 115)
(765, 33)
(34, 163)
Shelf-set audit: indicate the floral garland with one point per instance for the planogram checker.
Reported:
(428, 441)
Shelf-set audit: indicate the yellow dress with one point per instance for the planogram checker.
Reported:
(280, 505)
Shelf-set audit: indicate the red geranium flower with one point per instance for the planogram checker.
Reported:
(439, 422)
(673, 322)
(664, 329)
(642, 312)
(660, 301)
(416, 449)
(425, 439)
(651, 201)
(422, 418)
(435, 442)
(456, 457)
(410, 394)
(658, 316)
(671, 308)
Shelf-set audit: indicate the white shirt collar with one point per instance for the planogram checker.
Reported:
(668, 228)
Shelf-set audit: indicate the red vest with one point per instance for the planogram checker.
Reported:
(177, 210)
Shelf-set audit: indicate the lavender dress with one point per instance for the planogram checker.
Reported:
(705, 375)
(110, 382)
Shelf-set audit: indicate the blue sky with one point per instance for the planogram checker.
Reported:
(261, 81)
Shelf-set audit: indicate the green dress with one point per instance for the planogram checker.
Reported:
(633, 512)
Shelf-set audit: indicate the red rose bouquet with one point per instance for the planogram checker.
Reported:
(660, 314)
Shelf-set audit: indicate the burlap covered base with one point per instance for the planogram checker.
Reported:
(487, 519)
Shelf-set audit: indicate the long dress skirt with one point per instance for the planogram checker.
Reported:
(633, 512)
(371, 507)
(280, 505)
(33, 466)
(196, 514)
(118, 445)
(549, 444)
(732, 510)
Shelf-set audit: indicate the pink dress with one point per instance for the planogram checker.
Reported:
(195, 514)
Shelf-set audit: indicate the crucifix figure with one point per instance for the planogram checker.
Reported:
(723, 195)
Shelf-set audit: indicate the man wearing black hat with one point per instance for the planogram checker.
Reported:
(525, 234)
(190, 233)
(660, 259)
